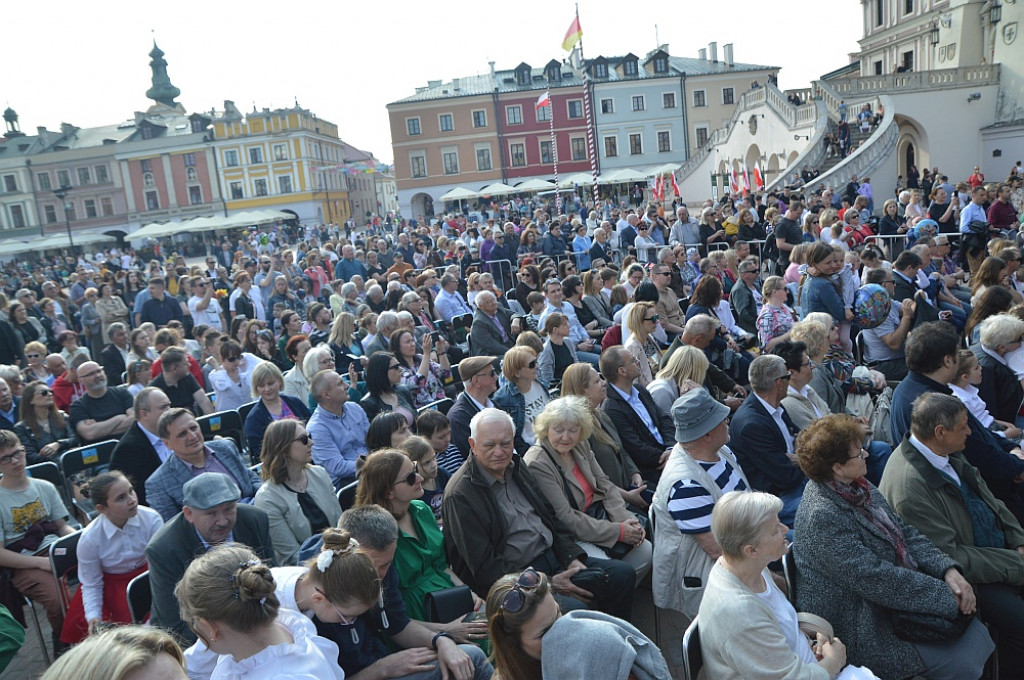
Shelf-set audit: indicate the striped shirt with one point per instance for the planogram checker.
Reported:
(690, 504)
(450, 459)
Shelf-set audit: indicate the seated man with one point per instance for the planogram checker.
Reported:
(645, 430)
(177, 382)
(762, 436)
(497, 521)
(211, 515)
(141, 451)
(479, 381)
(102, 412)
(493, 330)
(192, 457)
(930, 485)
(114, 357)
(338, 427)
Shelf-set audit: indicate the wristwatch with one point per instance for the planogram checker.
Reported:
(442, 634)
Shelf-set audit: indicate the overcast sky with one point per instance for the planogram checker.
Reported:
(86, 63)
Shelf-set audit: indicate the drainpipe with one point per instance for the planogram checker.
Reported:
(686, 127)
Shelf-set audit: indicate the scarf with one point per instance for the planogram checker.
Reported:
(858, 495)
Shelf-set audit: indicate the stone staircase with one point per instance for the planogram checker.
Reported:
(856, 138)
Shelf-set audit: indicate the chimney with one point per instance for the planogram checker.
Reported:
(433, 83)
(41, 130)
(713, 50)
(727, 54)
(455, 84)
(67, 129)
(703, 52)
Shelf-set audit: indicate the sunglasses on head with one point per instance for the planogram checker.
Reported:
(516, 598)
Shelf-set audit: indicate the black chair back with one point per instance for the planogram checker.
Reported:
(693, 659)
(140, 597)
(347, 495)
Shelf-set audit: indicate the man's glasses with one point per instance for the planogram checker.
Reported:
(19, 453)
(410, 478)
(305, 439)
(516, 598)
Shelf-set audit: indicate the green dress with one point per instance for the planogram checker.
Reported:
(421, 562)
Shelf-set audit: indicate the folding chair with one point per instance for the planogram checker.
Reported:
(693, 659)
(243, 410)
(224, 424)
(347, 495)
(789, 571)
(39, 630)
(442, 405)
(49, 471)
(64, 565)
(140, 597)
(82, 464)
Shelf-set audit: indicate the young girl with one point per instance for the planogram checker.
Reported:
(968, 377)
(111, 552)
(436, 429)
(435, 478)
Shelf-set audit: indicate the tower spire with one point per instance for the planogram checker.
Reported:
(162, 91)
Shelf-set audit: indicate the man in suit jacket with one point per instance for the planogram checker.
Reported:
(387, 323)
(192, 456)
(141, 451)
(114, 356)
(762, 435)
(479, 381)
(211, 516)
(647, 432)
(492, 332)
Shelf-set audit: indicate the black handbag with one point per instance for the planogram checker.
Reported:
(929, 628)
(592, 580)
(448, 604)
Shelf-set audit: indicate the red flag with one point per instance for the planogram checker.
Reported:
(675, 187)
(746, 180)
(573, 35)
(758, 178)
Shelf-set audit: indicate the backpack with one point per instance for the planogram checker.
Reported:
(880, 419)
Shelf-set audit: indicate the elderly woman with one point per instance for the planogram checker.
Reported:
(775, 318)
(267, 383)
(642, 320)
(582, 496)
(350, 299)
(297, 496)
(685, 369)
(999, 388)
(521, 396)
(111, 309)
(857, 562)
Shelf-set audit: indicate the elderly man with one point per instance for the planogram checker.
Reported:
(930, 485)
(348, 266)
(338, 427)
(479, 381)
(493, 331)
(141, 451)
(763, 434)
(211, 516)
(178, 384)
(114, 357)
(686, 230)
(8, 409)
(387, 323)
(102, 412)
(602, 248)
(192, 457)
(497, 521)
(745, 298)
(449, 302)
(645, 430)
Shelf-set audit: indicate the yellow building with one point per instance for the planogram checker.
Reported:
(285, 159)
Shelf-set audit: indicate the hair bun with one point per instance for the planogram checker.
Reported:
(255, 582)
(336, 539)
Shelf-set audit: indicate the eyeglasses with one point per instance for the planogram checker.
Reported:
(328, 360)
(305, 439)
(653, 319)
(410, 478)
(43, 393)
(395, 367)
(232, 359)
(516, 598)
(90, 375)
(33, 356)
(345, 620)
(19, 453)
(862, 454)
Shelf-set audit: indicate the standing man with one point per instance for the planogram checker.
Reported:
(667, 306)
(114, 357)
(159, 309)
(203, 308)
(788, 234)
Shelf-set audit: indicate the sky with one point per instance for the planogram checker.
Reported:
(87, 63)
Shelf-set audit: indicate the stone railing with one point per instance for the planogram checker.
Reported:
(869, 156)
(940, 79)
(813, 154)
(693, 162)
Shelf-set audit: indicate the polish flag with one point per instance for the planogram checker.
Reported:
(758, 178)
(746, 180)
(543, 100)
(734, 182)
(675, 186)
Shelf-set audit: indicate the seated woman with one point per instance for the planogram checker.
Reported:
(841, 364)
(267, 383)
(387, 431)
(297, 496)
(686, 368)
(266, 350)
(583, 498)
(424, 378)
(384, 389)
(435, 478)
(857, 562)
(121, 653)
(522, 396)
(35, 354)
(111, 552)
(391, 480)
(747, 626)
(559, 352)
(44, 430)
(775, 319)
(999, 388)
(228, 597)
(139, 374)
(295, 382)
(232, 382)
(642, 321)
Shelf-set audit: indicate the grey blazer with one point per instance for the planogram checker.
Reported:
(288, 524)
(546, 362)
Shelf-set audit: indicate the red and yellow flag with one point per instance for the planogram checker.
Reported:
(573, 35)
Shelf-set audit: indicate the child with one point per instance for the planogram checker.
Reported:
(435, 428)
(849, 283)
(435, 478)
(537, 302)
(968, 376)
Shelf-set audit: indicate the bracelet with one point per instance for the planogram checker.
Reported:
(442, 634)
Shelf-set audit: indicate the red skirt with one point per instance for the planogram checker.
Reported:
(115, 606)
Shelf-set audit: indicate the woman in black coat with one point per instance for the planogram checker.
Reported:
(383, 389)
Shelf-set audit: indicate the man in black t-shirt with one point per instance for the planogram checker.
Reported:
(788, 233)
(102, 412)
(177, 382)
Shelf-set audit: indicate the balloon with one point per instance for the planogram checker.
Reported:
(871, 306)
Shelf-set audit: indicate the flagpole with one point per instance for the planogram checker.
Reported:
(554, 152)
(591, 141)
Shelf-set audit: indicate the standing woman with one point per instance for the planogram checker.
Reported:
(822, 293)
(133, 286)
(27, 328)
(522, 396)
(52, 324)
(342, 340)
(111, 552)
(944, 210)
(44, 430)
(642, 321)
(91, 322)
(111, 308)
(315, 272)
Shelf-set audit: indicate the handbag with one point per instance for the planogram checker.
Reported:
(448, 604)
(929, 628)
(591, 579)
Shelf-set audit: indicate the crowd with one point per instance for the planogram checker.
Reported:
(456, 449)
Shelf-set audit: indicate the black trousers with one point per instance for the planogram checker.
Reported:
(1001, 607)
(615, 597)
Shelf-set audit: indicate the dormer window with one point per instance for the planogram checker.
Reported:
(601, 70)
(660, 65)
(629, 68)
(523, 75)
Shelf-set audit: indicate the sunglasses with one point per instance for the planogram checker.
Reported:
(410, 478)
(43, 393)
(653, 319)
(516, 598)
(33, 356)
(305, 439)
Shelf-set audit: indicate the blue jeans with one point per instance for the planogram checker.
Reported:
(878, 456)
(590, 358)
(790, 502)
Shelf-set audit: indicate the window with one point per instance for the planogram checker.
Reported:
(190, 175)
(638, 102)
(607, 106)
(545, 152)
(629, 68)
(17, 216)
(661, 65)
(517, 152)
(256, 155)
(664, 141)
(514, 115)
(280, 152)
(636, 144)
(480, 118)
(483, 158)
(878, 68)
(236, 191)
(284, 184)
(698, 98)
(231, 158)
(63, 178)
(668, 100)
(728, 95)
(879, 13)
(611, 147)
(908, 60)
(10, 183)
(195, 195)
(147, 179)
(575, 108)
(107, 206)
(450, 159)
(261, 187)
(44, 181)
(197, 125)
(601, 70)
(908, 6)
(701, 136)
(543, 114)
(147, 165)
(579, 148)
(101, 174)
(152, 201)
(418, 166)
(412, 126)
(445, 122)
(50, 214)
(90, 208)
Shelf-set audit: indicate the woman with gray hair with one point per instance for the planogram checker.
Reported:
(350, 298)
(747, 626)
(999, 388)
(582, 496)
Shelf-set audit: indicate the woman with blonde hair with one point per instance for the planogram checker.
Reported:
(641, 322)
(522, 396)
(121, 653)
(685, 369)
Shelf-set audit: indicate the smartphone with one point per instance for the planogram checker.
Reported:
(435, 336)
(474, 616)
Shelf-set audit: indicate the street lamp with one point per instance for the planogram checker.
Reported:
(61, 193)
